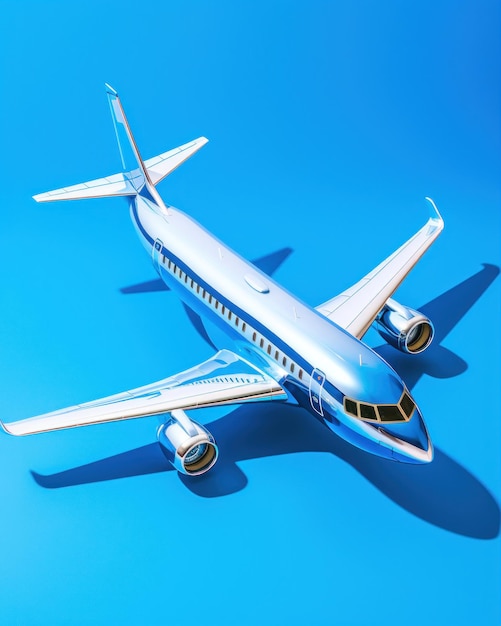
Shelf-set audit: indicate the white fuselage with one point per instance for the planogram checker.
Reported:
(316, 361)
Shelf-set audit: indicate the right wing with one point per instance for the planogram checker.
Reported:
(223, 379)
(356, 308)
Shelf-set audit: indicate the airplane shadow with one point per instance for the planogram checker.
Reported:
(442, 493)
(445, 311)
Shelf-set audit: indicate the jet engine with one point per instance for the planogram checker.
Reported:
(403, 328)
(187, 445)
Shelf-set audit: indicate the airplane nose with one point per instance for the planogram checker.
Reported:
(421, 445)
(425, 445)
(423, 454)
(410, 442)
(405, 451)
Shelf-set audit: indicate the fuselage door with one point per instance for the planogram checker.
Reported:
(156, 253)
(316, 385)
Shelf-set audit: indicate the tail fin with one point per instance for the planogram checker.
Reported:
(136, 172)
(132, 162)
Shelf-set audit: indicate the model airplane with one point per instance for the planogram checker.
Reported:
(273, 347)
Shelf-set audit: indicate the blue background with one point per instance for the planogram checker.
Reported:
(329, 122)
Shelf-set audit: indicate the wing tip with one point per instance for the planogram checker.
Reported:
(110, 90)
(5, 428)
(435, 213)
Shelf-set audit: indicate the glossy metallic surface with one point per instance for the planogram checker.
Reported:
(408, 330)
(187, 445)
(272, 345)
(223, 379)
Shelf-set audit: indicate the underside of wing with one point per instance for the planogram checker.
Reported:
(224, 379)
(356, 308)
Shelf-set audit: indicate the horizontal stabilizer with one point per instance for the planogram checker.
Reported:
(162, 165)
(116, 185)
(127, 183)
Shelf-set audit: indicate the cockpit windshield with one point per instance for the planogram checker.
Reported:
(401, 412)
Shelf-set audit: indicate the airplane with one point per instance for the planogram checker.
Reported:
(270, 346)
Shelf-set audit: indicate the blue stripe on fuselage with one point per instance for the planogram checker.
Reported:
(139, 225)
(236, 310)
(186, 295)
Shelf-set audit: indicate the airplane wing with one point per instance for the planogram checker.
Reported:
(356, 308)
(223, 379)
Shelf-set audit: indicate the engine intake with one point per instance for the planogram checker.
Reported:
(187, 445)
(403, 328)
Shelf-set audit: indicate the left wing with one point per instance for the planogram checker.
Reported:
(223, 379)
(356, 308)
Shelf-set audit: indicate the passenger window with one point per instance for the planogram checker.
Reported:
(163, 259)
(216, 304)
(244, 326)
(236, 321)
(203, 293)
(254, 336)
(186, 278)
(284, 361)
(261, 342)
(192, 283)
(198, 288)
(222, 309)
(229, 314)
(210, 298)
(292, 368)
(169, 264)
(269, 349)
(300, 375)
(276, 355)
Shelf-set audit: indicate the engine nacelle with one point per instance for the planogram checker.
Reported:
(403, 328)
(187, 445)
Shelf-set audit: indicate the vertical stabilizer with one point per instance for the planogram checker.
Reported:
(132, 162)
(137, 176)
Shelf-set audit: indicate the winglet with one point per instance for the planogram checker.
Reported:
(110, 90)
(436, 213)
(4, 428)
(132, 162)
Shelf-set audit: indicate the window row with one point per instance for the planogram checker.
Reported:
(278, 356)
